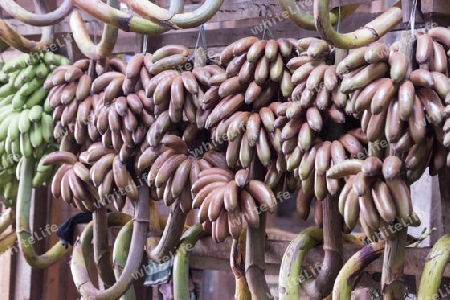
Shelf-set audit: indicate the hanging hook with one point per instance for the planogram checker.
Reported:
(266, 27)
(144, 44)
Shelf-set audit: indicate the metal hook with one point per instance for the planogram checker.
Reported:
(144, 44)
(266, 28)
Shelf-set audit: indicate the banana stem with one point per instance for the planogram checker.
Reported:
(255, 263)
(47, 31)
(7, 242)
(392, 283)
(102, 256)
(352, 271)
(371, 32)
(176, 6)
(333, 248)
(437, 259)
(84, 42)
(171, 235)
(180, 20)
(237, 260)
(181, 262)
(24, 235)
(6, 219)
(291, 264)
(23, 15)
(306, 21)
(78, 262)
(112, 16)
(120, 254)
(19, 42)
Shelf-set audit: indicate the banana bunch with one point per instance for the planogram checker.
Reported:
(310, 165)
(74, 109)
(170, 171)
(26, 122)
(374, 192)
(225, 199)
(9, 183)
(71, 181)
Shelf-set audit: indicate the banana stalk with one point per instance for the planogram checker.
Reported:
(353, 269)
(114, 219)
(24, 235)
(6, 219)
(78, 263)
(102, 255)
(181, 262)
(372, 32)
(255, 248)
(171, 235)
(291, 264)
(120, 255)
(180, 20)
(84, 42)
(7, 242)
(333, 260)
(21, 43)
(23, 15)
(112, 16)
(304, 20)
(237, 261)
(432, 274)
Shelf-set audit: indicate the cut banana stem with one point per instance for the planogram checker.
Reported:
(24, 234)
(181, 262)
(21, 14)
(353, 269)
(437, 260)
(121, 251)
(80, 272)
(369, 33)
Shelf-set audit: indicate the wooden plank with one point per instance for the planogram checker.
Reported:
(435, 7)
(211, 256)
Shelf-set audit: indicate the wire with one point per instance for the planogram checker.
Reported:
(266, 28)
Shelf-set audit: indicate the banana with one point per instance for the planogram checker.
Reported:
(307, 164)
(424, 50)
(262, 70)
(383, 95)
(233, 150)
(256, 51)
(100, 168)
(441, 85)
(271, 50)
(249, 209)
(345, 168)
(383, 201)
(394, 125)
(168, 63)
(421, 77)
(276, 69)
(439, 61)
(364, 77)
(372, 166)
(246, 152)
(205, 192)
(322, 161)
(243, 45)
(216, 204)
(318, 49)
(318, 214)
(432, 104)
(263, 148)
(235, 65)
(376, 52)
(305, 137)
(406, 100)
(376, 125)
(352, 61)
(302, 73)
(303, 203)
(399, 66)
(352, 145)
(417, 123)
(314, 119)
(316, 77)
(351, 210)
(401, 196)
(368, 210)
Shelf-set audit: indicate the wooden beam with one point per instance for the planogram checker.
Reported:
(211, 256)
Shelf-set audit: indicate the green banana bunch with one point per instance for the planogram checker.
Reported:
(26, 122)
